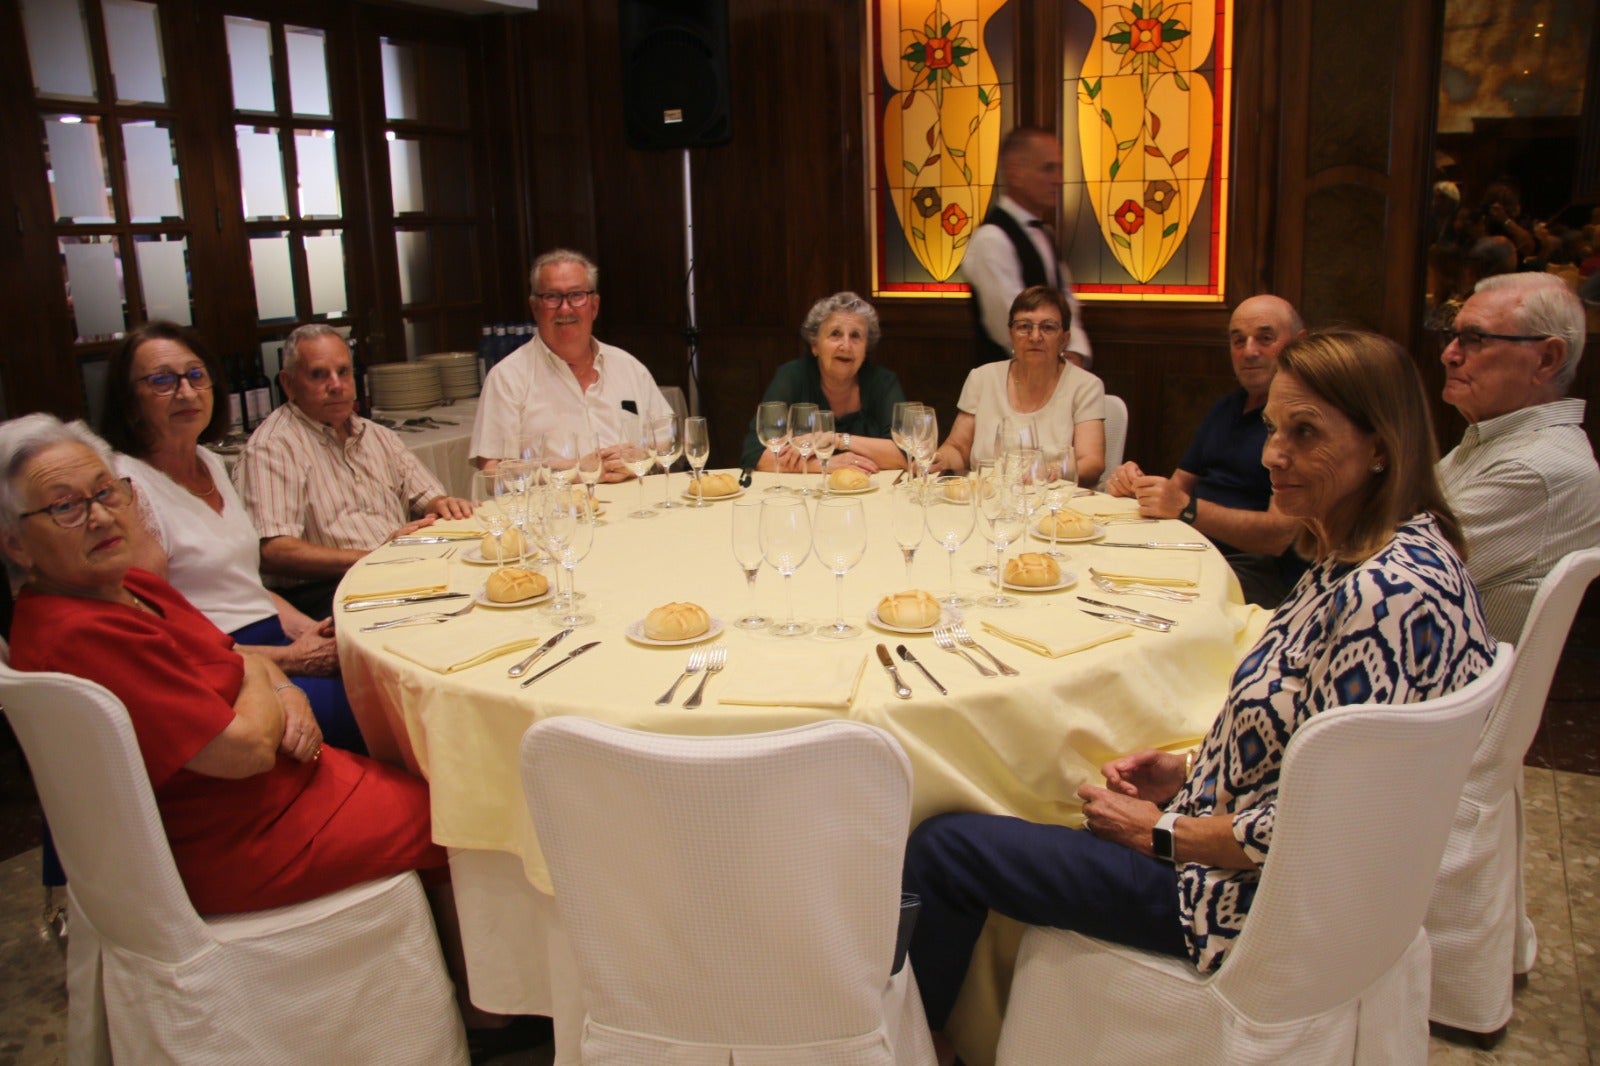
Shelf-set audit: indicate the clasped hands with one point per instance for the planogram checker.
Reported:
(1159, 497)
(1125, 810)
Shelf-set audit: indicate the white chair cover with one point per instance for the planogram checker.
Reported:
(1116, 435)
(355, 976)
(730, 899)
(1478, 919)
(1332, 965)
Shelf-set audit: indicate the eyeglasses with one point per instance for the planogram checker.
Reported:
(165, 382)
(1471, 340)
(1044, 329)
(553, 300)
(70, 514)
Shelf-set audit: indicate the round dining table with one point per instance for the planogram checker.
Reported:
(436, 696)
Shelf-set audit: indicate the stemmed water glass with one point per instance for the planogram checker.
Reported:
(560, 448)
(569, 531)
(785, 543)
(772, 430)
(823, 442)
(514, 476)
(802, 436)
(900, 424)
(1061, 469)
(697, 449)
(638, 455)
(668, 446)
(924, 437)
(487, 490)
(981, 471)
(591, 465)
(950, 517)
(839, 538)
(1014, 433)
(1005, 520)
(747, 553)
(908, 518)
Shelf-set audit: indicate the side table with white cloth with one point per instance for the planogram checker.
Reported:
(1019, 745)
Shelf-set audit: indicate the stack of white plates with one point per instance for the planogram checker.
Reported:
(458, 373)
(404, 386)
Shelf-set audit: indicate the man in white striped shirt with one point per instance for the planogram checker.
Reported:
(324, 485)
(1523, 481)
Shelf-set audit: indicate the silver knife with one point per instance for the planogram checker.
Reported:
(537, 653)
(396, 601)
(900, 687)
(422, 540)
(1178, 545)
(559, 663)
(1129, 610)
(905, 653)
(1128, 620)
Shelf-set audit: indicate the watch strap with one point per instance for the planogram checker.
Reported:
(1162, 841)
(1189, 511)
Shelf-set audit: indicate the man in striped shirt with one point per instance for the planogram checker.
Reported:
(324, 485)
(1523, 481)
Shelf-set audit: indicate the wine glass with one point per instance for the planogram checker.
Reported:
(529, 448)
(747, 553)
(802, 436)
(982, 469)
(785, 543)
(900, 421)
(487, 490)
(950, 517)
(839, 538)
(1005, 520)
(908, 519)
(697, 449)
(924, 437)
(560, 449)
(668, 446)
(1014, 433)
(569, 527)
(1061, 468)
(1023, 470)
(772, 429)
(513, 474)
(824, 441)
(638, 455)
(591, 467)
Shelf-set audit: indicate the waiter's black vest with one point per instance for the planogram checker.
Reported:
(1033, 273)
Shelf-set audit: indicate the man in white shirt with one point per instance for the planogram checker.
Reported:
(564, 379)
(1015, 248)
(1523, 481)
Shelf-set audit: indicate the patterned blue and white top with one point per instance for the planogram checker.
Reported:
(1403, 626)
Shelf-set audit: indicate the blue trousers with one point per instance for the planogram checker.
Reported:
(326, 694)
(965, 865)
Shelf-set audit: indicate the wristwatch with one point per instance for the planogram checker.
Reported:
(1189, 511)
(844, 442)
(1162, 841)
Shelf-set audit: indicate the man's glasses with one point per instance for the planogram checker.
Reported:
(553, 300)
(1044, 329)
(1471, 340)
(165, 382)
(70, 514)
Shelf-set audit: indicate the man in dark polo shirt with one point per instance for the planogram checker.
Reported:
(1015, 249)
(1220, 487)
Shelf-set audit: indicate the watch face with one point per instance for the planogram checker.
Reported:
(1161, 843)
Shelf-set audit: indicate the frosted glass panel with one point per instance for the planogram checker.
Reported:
(405, 175)
(58, 45)
(319, 174)
(325, 265)
(416, 275)
(133, 34)
(152, 175)
(261, 165)
(308, 71)
(399, 81)
(77, 171)
(250, 56)
(269, 263)
(164, 274)
(94, 287)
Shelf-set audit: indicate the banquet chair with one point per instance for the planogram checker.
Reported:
(354, 976)
(1332, 963)
(730, 899)
(1478, 922)
(1116, 436)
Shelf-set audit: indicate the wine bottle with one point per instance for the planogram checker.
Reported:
(258, 394)
(236, 400)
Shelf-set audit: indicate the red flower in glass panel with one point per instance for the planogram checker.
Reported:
(1146, 35)
(939, 52)
(954, 219)
(1130, 216)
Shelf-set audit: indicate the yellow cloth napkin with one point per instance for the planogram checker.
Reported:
(1054, 633)
(459, 644)
(1177, 569)
(1101, 505)
(802, 678)
(368, 582)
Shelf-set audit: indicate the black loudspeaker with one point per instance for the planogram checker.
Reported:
(674, 72)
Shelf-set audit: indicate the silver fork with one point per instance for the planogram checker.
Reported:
(426, 617)
(946, 640)
(716, 659)
(961, 634)
(1133, 588)
(697, 662)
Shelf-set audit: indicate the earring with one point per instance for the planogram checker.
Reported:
(1377, 468)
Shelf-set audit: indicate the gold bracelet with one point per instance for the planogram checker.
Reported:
(1188, 763)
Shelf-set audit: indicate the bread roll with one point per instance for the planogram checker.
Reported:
(510, 546)
(1067, 524)
(847, 478)
(913, 609)
(714, 485)
(513, 584)
(959, 491)
(676, 621)
(1033, 570)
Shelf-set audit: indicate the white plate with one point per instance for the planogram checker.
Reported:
(474, 555)
(1099, 531)
(1068, 579)
(635, 632)
(713, 499)
(947, 615)
(484, 601)
(853, 492)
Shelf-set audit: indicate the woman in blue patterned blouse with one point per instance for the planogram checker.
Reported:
(1386, 614)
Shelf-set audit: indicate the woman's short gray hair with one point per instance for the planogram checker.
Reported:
(21, 440)
(1548, 309)
(846, 303)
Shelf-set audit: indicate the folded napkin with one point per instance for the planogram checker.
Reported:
(459, 644)
(782, 677)
(1102, 506)
(367, 582)
(1176, 569)
(1057, 632)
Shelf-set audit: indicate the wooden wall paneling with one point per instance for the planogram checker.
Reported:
(505, 173)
